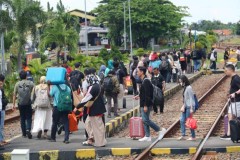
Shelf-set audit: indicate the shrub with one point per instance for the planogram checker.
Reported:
(140, 52)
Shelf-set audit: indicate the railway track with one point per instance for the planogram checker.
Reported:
(11, 118)
(212, 123)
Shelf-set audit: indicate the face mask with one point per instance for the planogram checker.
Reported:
(181, 84)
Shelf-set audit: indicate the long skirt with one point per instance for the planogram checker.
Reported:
(42, 120)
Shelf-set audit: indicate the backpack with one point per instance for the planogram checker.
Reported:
(64, 102)
(164, 65)
(42, 100)
(123, 68)
(101, 76)
(117, 74)
(108, 85)
(24, 94)
(157, 94)
(194, 54)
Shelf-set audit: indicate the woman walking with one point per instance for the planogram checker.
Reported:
(43, 110)
(226, 56)
(188, 107)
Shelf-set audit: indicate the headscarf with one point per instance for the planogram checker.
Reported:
(106, 72)
(42, 80)
(110, 64)
(102, 69)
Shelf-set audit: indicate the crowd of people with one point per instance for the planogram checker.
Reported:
(103, 91)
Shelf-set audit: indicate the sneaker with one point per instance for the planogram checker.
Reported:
(29, 135)
(225, 137)
(116, 115)
(182, 138)
(109, 116)
(60, 129)
(51, 140)
(162, 133)
(66, 142)
(145, 139)
(39, 135)
(191, 139)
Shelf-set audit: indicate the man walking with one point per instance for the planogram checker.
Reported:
(62, 105)
(146, 94)
(121, 79)
(234, 94)
(23, 90)
(111, 89)
(158, 80)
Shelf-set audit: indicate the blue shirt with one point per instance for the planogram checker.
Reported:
(54, 92)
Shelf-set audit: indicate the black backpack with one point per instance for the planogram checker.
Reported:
(195, 54)
(108, 85)
(164, 65)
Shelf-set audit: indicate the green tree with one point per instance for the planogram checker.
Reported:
(25, 15)
(58, 33)
(150, 19)
(238, 28)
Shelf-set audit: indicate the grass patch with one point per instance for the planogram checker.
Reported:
(235, 40)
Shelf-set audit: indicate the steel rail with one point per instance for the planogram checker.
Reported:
(145, 154)
(198, 153)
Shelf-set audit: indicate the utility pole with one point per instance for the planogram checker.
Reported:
(125, 34)
(2, 47)
(86, 28)
(130, 27)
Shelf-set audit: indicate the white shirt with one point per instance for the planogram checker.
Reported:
(85, 86)
(0, 100)
(238, 52)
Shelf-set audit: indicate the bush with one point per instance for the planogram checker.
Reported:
(113, 53)
(140, 52)
(9, 85)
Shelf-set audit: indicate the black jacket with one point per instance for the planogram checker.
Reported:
(146, 93)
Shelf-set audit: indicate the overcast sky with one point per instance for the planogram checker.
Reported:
(223, 10)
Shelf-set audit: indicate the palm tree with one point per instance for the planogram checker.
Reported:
(64, 37)
(26, 14)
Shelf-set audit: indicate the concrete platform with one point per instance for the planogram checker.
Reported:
(40, 149)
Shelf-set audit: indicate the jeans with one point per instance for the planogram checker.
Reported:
(147, 123)
(183, 119)
(197, 64)
(56, 117)
(2, 125)
(26, 118)
(109, 103)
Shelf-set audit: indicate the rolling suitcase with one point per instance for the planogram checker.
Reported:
(56, 75)
(136, 126)
(235, 126)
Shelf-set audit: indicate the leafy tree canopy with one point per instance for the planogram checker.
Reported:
(150, 19)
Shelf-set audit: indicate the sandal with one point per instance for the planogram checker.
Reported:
(86, 143)
(5, 142)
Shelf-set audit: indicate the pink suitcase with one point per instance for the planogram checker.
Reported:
(136, 126)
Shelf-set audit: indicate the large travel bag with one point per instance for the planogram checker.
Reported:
(136, 126)
(235, 126)
(57, 75)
